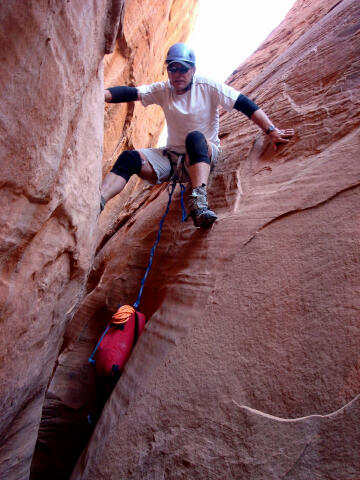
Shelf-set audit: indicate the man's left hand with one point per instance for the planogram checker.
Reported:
(278, 136)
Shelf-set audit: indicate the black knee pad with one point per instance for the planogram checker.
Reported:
(128, 163)
(197, 148)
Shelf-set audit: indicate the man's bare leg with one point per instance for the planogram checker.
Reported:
(197, 200)
(114, 184)
(199, 174)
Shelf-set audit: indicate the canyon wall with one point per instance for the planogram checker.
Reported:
(249, 365)
(52, 132)
(146, 31)
(51, 141)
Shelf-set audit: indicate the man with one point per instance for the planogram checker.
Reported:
(190, 104)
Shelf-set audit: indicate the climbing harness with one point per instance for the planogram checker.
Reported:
(127, 319)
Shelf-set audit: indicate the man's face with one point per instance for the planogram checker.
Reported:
(179, 78)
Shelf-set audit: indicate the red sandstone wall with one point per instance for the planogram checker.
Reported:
(146, 31)
(51, 123)
(249, 366)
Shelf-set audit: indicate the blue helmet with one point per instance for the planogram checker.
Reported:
(180, 53)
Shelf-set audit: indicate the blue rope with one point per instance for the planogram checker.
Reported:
(91, 359)
(182, 191)
(171, 191)
(137, 303)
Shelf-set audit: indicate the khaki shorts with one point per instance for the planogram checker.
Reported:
(165, 162)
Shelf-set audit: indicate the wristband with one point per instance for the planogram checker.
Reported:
(270, 129)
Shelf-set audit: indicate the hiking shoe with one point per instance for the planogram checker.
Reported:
(203, 217)
(199, 210)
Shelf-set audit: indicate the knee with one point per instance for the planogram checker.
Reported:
(128, 163)
(197, 148)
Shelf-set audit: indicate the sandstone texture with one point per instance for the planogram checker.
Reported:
(145, 31)
(52, 132)
(249, 364)
(51, 123)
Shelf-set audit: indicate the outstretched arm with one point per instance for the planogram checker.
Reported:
(121, 94)
(276, 135)
(258, 116)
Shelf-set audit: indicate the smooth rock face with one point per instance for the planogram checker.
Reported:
(51, 129)
(249, 364)
(71, 403)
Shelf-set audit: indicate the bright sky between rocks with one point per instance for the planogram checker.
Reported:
(229, 31)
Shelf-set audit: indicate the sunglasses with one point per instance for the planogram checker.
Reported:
(181, 69)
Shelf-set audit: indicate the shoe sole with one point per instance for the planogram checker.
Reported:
(207, 221)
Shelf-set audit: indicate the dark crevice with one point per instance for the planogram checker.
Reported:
(334, 6)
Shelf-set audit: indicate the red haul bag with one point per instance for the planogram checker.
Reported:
(114, 347)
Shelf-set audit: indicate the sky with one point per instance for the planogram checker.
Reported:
(227, 32)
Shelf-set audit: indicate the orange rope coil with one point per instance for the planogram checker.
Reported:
(123, 314)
